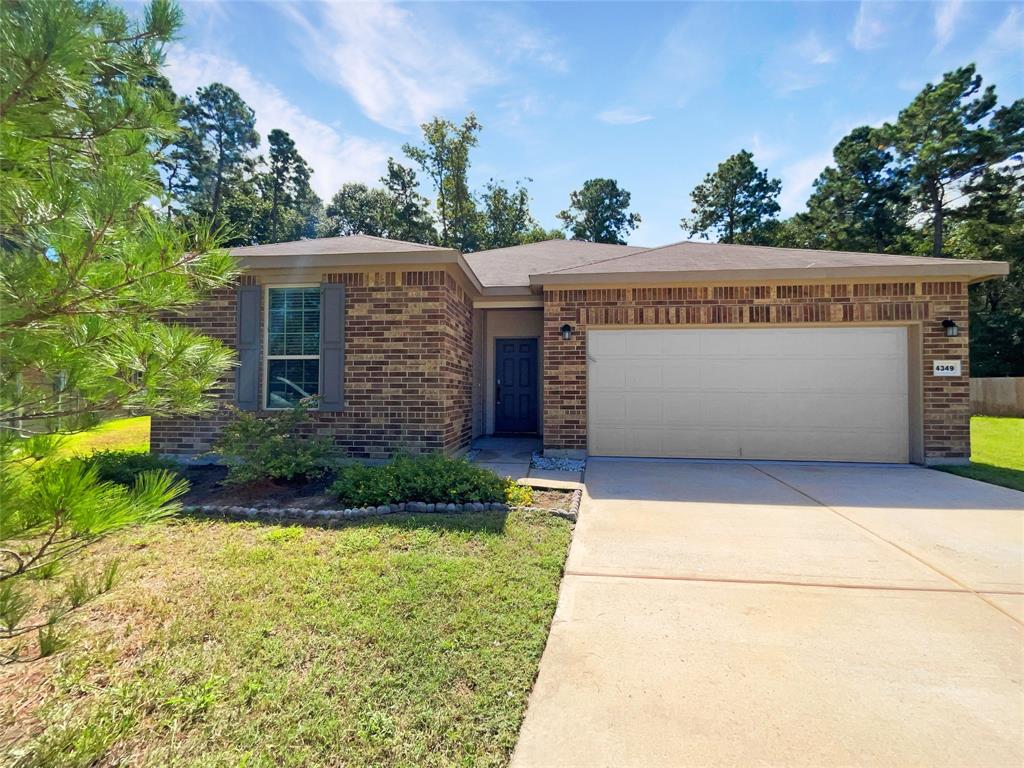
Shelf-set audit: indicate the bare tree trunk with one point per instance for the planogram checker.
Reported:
(937, 221)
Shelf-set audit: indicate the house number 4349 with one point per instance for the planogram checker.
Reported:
(945, 368)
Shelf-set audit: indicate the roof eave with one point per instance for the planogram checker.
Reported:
(970, 271)
(299, 260)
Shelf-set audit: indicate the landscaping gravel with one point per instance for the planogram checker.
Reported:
(550, 462)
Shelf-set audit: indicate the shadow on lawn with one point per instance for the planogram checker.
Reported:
(990, 473)
(465, 522)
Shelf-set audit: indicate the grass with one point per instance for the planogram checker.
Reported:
(404, 641)
(114, 435)
(997, 452)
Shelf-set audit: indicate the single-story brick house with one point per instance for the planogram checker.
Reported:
(695, 350)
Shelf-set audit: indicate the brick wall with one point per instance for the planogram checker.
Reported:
(457, 366)
(945, 401)
(408, 367)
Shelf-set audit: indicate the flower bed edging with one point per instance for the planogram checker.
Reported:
(328, 515)
(264, 512)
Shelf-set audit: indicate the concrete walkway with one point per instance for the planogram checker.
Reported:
(511, 457)
(719, 614)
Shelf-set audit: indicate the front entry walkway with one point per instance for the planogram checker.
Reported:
(507, 456)
(720, 614)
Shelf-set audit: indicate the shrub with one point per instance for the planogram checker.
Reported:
(122, 467)
(433, 479)
(258, 448)
(518, 495)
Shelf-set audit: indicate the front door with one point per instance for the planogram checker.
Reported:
(515, 385)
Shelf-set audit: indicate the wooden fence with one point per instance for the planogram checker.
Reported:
(998, 397)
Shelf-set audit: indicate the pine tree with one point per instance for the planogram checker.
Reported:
(737, 202)
(598, 212)
(88, 277)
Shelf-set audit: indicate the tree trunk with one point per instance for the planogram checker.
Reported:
(273, 215)
(215, 204)
(937, 216)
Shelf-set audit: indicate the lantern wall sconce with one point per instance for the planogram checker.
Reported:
(566, 332)
(952, 329)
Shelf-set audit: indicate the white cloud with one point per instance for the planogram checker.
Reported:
(691, 59)
(1008, 35)
(799, 66)
(334, 158)
(871, 25)
(765, 152)
(398, 68)
(947, 14)
(518, 41)
(813, 51)
(404, 65)
(622, 116)
(798, 179)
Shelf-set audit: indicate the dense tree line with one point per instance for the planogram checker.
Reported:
(212, 173)
(945, 179)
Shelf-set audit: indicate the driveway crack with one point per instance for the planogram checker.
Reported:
(964, 587)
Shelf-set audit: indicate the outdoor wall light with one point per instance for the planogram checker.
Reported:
(566, 332)
(952, 329)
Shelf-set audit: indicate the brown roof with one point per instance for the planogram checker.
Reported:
(320, 246)
(702, 261)
(513, 266)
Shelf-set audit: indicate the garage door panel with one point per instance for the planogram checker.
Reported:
(606, 344)
(646, 374)
(644, 345)
(644, 410)
(719, 373)
(608, 409)
(808, 393)
(680, 374)
(675, 345)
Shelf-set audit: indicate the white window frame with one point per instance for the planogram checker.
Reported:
(267, 357)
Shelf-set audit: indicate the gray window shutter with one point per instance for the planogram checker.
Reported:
(247, 376)
(332, 347)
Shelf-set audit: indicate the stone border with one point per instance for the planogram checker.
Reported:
(335, 515)
(329, 515)
(571, 514)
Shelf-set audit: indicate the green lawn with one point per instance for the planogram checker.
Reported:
(114, 435)
(402, 641)
(997, 452)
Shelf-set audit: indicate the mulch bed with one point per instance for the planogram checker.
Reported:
(207, 487)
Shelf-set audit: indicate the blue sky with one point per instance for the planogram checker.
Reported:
(654, 95)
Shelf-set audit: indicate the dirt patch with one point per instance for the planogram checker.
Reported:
(207, 487)
(551, 499)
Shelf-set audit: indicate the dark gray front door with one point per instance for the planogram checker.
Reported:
(515, 385)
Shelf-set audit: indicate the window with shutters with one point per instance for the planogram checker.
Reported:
(292, 346)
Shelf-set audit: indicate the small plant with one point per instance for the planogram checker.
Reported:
(122, 467)
(46, 571)
(79, 590)
(51, 640)
(518, 495)
(260, 448)
(433, 479)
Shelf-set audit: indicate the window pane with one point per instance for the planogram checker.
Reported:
(288, 381)
(293, 321)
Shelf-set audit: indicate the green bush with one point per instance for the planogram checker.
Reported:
(259, 448)
(122, 467)
(433, 479)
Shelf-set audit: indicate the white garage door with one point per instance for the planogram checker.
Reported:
(818, 394)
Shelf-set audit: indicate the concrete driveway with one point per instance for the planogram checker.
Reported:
(785, 614)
